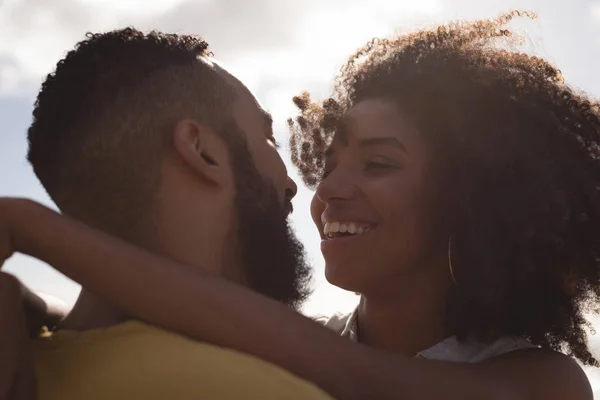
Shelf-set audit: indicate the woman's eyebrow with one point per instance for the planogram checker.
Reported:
(382, 141)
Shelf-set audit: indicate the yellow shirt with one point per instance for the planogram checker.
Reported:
(136, 361)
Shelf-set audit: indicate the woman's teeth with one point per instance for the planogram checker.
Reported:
(337, 229)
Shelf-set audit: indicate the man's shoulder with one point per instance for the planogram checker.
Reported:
(137, 360)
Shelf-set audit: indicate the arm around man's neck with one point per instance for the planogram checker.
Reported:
(129, 277)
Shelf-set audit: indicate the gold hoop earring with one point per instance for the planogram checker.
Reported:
(450, 260)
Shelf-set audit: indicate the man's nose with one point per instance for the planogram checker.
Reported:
(290, 189)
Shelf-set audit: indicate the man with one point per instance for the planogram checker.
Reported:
(147, 138)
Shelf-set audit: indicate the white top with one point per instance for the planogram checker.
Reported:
(449, 349)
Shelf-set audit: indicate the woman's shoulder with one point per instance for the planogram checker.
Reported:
(452, 349)
(338, 322)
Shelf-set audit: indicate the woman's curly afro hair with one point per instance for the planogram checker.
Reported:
(520, 172)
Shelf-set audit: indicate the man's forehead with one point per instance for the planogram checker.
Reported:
(267, 115)
(241, 89)
(218, 67)
(213, 63)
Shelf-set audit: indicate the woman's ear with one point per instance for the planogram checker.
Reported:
(202, 150)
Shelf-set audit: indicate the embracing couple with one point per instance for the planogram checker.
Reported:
(456, 192)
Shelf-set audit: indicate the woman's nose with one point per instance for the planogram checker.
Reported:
(335, 186)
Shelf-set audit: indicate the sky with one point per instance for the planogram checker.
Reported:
(278, 48)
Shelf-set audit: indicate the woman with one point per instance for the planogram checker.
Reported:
(475, 171)
(456, 191)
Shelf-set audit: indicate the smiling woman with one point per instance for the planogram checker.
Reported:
(476, 170)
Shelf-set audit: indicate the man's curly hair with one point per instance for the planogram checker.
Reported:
(101, 122)
(518, 152)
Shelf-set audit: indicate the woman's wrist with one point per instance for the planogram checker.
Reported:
(24, 218)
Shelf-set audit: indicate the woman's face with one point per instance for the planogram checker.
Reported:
(374, 205)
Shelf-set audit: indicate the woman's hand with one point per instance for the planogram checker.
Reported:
(16, 217)
(17, 379)
(17, 373)
(19, 309)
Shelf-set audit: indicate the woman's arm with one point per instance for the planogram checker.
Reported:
(160, 291)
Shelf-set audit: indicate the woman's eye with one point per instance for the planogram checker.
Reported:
(377, 165)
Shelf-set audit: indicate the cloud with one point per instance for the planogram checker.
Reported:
(237, 25)
(595, 11)
(36, 33)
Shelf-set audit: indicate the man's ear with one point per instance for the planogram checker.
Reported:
(201, 149)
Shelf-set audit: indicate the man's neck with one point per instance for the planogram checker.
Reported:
(194, 239)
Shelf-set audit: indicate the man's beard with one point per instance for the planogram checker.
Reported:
(274, 259)
(274, 262)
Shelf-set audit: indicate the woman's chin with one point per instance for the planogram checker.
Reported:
(344, 277)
